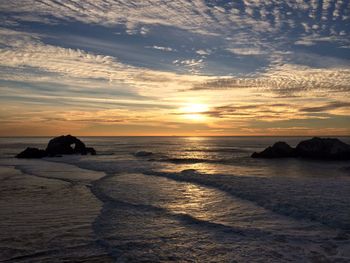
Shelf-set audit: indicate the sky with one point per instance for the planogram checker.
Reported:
(174, 67)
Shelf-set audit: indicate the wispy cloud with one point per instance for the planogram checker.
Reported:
(227, 19)
(328, 107)
(286, 79)
(259, 111)
(246, 51)
(115, 63)
(168, 49)
(28, 51)
(193, 65)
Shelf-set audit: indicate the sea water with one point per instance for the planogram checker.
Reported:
(195, 199)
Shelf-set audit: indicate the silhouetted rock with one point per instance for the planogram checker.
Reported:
(315, 148)
(323, 148)
(142, 154)
(32, 153)
(90, 150)
(63, 145)
(278, 150)
(57, 146)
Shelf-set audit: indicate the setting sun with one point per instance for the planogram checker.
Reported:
(195, 108)
(194, 112)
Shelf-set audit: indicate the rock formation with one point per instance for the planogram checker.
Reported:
(323, 148)
(278, 150)
(32, 153)
(315, 148)
(65, 144)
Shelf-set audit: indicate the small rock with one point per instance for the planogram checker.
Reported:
(142, 154)
(90, 150)
(278, 150)
(32, 153)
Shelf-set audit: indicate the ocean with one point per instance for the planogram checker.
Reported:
(195, 199)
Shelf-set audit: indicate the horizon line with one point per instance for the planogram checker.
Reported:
(46, 136)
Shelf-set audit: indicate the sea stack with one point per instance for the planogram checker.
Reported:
(278, 150)
(65, 144)
(315, 148)
(323, 148)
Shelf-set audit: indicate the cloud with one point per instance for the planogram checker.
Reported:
(313, 39)
(246, 51)
(266, 111)
(203, 52)
(168, 49)
(26, 51)
(328, 107)
(194, 65)
(195, 16)
(260, 111)
(286, 80)
(253, 28)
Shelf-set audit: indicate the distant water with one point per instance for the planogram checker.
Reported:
(195, 199)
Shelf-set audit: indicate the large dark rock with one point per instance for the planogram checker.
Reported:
(67, 144)
(278, 150)
(315, 148)
(323, 148)
(32, 153)
(57, 146)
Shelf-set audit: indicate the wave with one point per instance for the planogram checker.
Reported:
(143, 214)
(181, 217)
(29, 171)
(324, 200)
(293, 197)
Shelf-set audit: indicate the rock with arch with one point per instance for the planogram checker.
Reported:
(65, 144)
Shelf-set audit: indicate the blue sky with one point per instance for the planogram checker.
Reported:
(175, 67)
